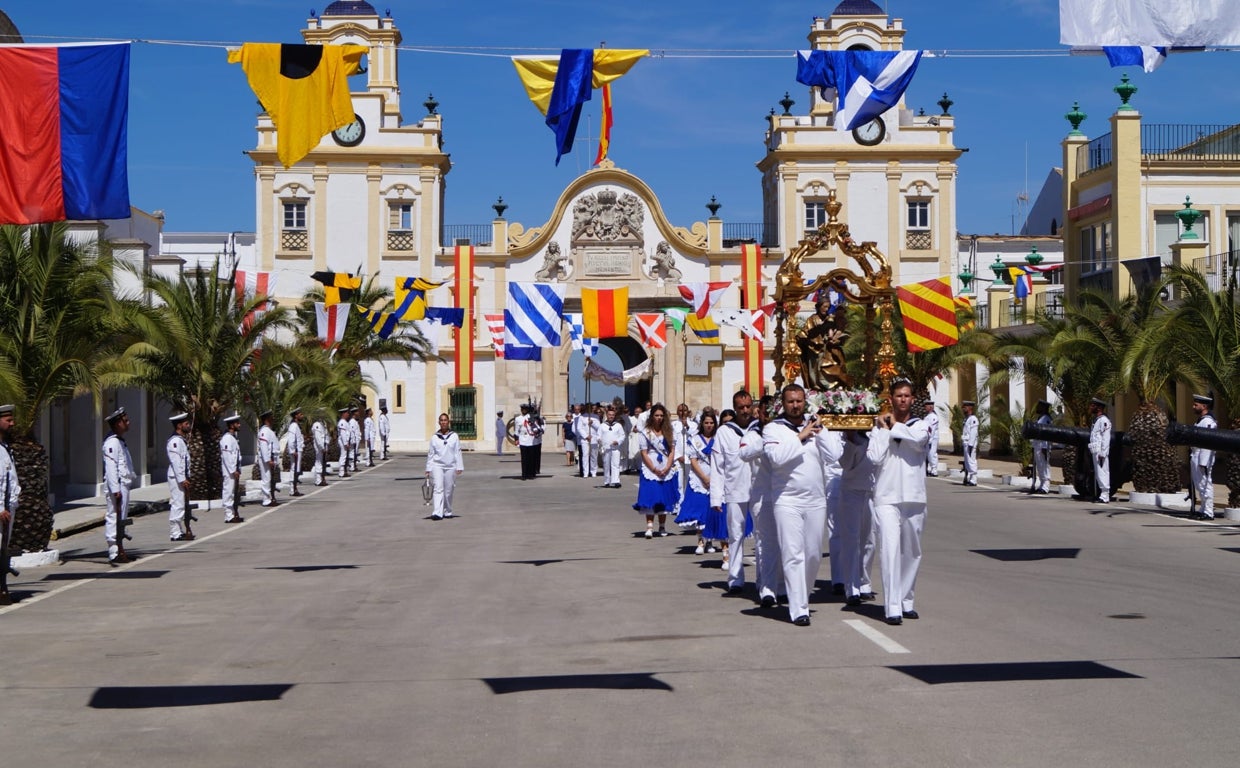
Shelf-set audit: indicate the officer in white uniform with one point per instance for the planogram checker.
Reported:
(268, 454)
(10, 492)
(355, 437)
(179, 516)
(898, 445)
(118, 478)
(443, 464)
(385, 430)
(932, 457)
(230, 468)
(344, 436)
(501, 433)
(371, 431)
(797, 449)
(770, 580)
(1100, 449)
(322, 440)
(610, 441)
(587, 442)
(295, 441)
(855, 517)
(730, 485)
(968, 437)
(525, 443)
(1042, 452)
(1201, 460)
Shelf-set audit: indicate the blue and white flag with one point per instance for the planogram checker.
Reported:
(520, 352)
(589, 347)
(868, 83)
(453, 316)
(1147, 57)
(576, 334)
(533, 315)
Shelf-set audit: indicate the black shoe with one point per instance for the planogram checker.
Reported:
(868, 597)
(783, 599)
(237, 519)
(837, 589)
(912, 615)
(894, 621)
(801, 621)
(853, 601)
(768, 601)
(734, 590)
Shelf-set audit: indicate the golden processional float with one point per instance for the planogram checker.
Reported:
(813, 350)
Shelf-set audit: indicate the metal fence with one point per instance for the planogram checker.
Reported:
(1216, 267)
(736, 234)
(1094, 155)
(1169, 143)
(466, 234)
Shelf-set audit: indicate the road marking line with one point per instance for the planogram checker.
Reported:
(876, 637)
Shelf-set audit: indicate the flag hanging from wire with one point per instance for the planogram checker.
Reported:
(382, 323)
(331, 322)
(703, 296)
(338, 287)
(409, 297)
(1022, 282)
(495, 325)
(705, 328)
(652, 327)
(532, 316)
(929, 314)
(605, 312)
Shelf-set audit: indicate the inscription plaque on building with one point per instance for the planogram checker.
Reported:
(599, 262)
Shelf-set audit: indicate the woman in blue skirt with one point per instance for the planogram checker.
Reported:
(658, 490)
(697, 494)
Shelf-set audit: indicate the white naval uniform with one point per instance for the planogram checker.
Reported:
(968, 436)
(318, 432)
(610, 440)
(344, 435)
(230, 465)
(268, 450)
(1201, 467)
(729, 491)
(770, 579)
(371, 435)
(899, 454)
(855, 518)
(501, 434)
(932, 456)
(1100, 451)
(443, 461)
(296, 442)
(1042, 458)
(831, 477)
(178, 497)
(10, 488)
(118, 478)
(799, 487)
(385, 431)
(355, 442)
(587, 443)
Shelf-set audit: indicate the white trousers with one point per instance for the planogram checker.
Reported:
(766, 549)
(229, 496)
(611, 466)
(1203, 483)
(800, 528)
(320, 464)
(833, 532)
(344, 458)
(736, 541)
(112, 521)
(1102, 476)
(177, 501)
(444, 481)
(589, 460)
(899, 551)
(1042, 469)
(385, 446)
(970, 463)
(265, 477)
(869, 545)
(854, 522)
(370, 454)
(932, 456)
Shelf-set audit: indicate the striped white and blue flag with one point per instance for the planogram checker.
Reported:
(1147, 57)
(867, 83)
(532, 316)
(576, 334)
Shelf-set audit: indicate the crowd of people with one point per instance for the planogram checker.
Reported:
(770, 473)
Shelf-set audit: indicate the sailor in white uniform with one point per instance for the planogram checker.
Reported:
(610, 439)
(1042, 453)
(179, 517)
(371, 432)
(355, 437)
(344, 436)
(318, 432)
(295, 443)
(1201, 460)
(730, 485)
(385, 430)
(268, 456)
(10, 493)
(968, 437)
(932, 457)
(855, 517)
(767, 559)
(443, 463)
(118, 478)
(230, 468)
(1100, 449)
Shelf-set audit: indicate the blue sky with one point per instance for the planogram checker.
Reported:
(690, 127)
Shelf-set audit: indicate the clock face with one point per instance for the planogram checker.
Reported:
(871, 133)
(350, 135)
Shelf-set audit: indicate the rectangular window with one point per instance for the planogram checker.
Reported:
(400, 216)
(294, 215)
(815, 214)
(398, 397)
(919, 214)
(1087, 249)
(918, 236)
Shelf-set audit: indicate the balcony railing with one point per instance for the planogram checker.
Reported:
(1217, 268)
(918, 240)
(1169, 143)
(1096, 154)
(466, 234)
(294, 240)
(1049, 304)
(736, 234)
(1015, 312)
(400, 240)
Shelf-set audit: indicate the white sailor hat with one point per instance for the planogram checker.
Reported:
(1098, 401)
(7, 410)
(115, 415)
(264, 414)
(180, 417)
(232, 419)
(294, 411)
(1204, 399)
(968, 402)
(344, 410)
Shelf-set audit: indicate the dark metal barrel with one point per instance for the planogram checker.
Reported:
(1227, 440)
(1078, 436)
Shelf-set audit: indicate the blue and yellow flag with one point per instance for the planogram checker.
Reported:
(410, 297)
(706, 328)
(382, 323)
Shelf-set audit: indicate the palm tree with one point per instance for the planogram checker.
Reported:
(200, 349)
(58, 319)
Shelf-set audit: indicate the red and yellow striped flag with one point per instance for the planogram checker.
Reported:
(605, 313)
(929, 314)
(604, 135)
(965, 303)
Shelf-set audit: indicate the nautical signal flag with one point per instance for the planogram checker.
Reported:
(560, 87)
(251, 284)
(703, 296)
(965, 304)
(331, 322)
(1022, 281)
(409, 297)
(453, 316)
(605, 313)
(382, 323)
(676, 316)
(532, 315)
(706, 328)
(63, 133)
(338, 287)
(495, 324)
(867, 83)
(929, 314)
(652, 327)
(304, 88)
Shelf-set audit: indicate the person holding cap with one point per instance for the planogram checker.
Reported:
(296, 442)
(230, 468)
(1201, 460)
(178, 480)
(968, 437)
(268, 452)
(344, 434)
(118, 478)
(1100, 449)
(385, 430)
(9, 495)
(1042, 453)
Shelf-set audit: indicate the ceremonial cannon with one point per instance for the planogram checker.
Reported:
(1226, 440)
(1083, 471)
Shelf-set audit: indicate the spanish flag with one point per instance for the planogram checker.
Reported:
(706, 329)
(338, 287)
(605, 313)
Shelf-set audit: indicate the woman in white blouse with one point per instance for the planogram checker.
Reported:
(443, 463)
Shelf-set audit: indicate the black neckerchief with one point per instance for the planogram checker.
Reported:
(736, 428)
(795, 429)
(444, 435)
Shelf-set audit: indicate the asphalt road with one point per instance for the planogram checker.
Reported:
(539, 628)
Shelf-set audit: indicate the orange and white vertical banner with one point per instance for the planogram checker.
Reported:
(465, 300)
(751, 298)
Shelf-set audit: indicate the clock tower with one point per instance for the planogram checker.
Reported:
(895, 176)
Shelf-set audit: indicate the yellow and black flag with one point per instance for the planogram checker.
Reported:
(338, 287)
(305, 89)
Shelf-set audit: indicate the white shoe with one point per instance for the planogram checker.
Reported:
(699, 550)
(724, 565)
(710, 549)
(448, 514)
(649, 532)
